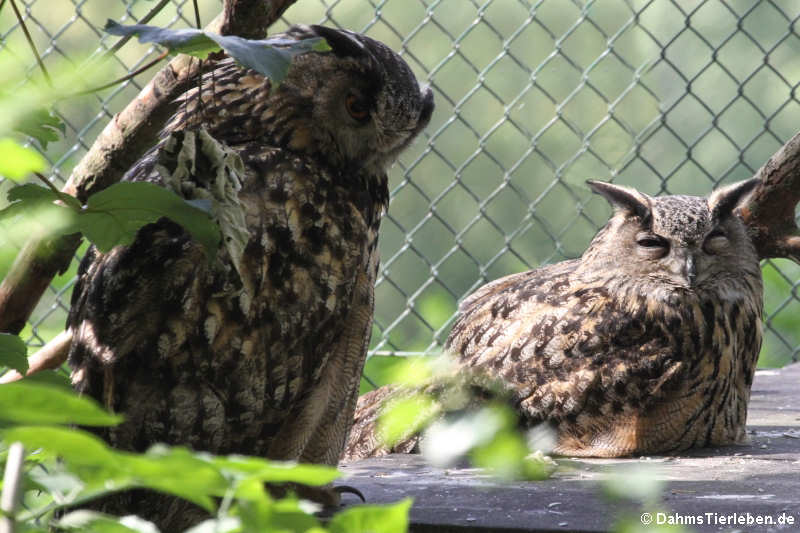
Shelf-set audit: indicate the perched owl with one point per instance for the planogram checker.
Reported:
(259, 352)
(646, 344)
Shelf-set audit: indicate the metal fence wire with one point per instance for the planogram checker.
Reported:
(532, 99)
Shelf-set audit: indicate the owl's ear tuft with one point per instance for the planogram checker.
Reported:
(343, 43)
(624, 199)
(724, 200)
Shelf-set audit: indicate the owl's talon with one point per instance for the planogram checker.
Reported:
(347, 489)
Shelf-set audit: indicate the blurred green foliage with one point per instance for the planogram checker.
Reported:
(66, 467)
(437, 401)
(637, 494)
(532, 99)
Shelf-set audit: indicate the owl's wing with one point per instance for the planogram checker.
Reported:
(230, 102)
(221, 352)
(564, 346)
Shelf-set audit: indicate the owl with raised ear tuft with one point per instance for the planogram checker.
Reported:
(645, 344)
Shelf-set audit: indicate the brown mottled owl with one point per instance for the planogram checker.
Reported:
(646, 344)
(261, 351)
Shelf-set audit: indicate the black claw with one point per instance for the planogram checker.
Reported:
(347, 489)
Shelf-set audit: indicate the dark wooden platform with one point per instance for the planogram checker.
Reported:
(761, 478)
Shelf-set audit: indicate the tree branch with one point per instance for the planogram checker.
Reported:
(123, 141)
(770, 209)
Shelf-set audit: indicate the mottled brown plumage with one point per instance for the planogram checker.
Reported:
(261, 351)
(646, 344)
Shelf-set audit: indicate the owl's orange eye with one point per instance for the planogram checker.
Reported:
(357, 108)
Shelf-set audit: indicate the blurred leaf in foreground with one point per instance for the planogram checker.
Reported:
(266, 471)
(42, 125)
(372, 518)
(17, 162)
(405, 416)
(13, 353)
(28, 403)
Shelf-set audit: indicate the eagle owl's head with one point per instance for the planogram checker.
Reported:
(358, 106)
(676, 244)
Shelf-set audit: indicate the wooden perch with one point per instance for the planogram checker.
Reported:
(123, 141)
(770, 210)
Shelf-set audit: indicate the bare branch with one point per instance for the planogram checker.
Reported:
(30, 42)
(123, 79)
(770, 209)
(123, 141)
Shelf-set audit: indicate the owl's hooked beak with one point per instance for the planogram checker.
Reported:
(686, 267)
(690, 268)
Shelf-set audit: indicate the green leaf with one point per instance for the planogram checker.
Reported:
(406, 416)
(182, 41)
(30, 192)
(54, 480)
(32, 211)
(114, 215)
(414, 371)
(270, 57)
(176, 470)
(372, 518)
(42, 125)
(636, 483)
(17, 161)
(30, 403)
(78, 448)
(34, 194)
(448, 440)
(263, 514)
(264, 470)
(13, 353)
(51, 378)
(508, 457)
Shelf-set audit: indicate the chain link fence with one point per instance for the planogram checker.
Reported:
(532, 99)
